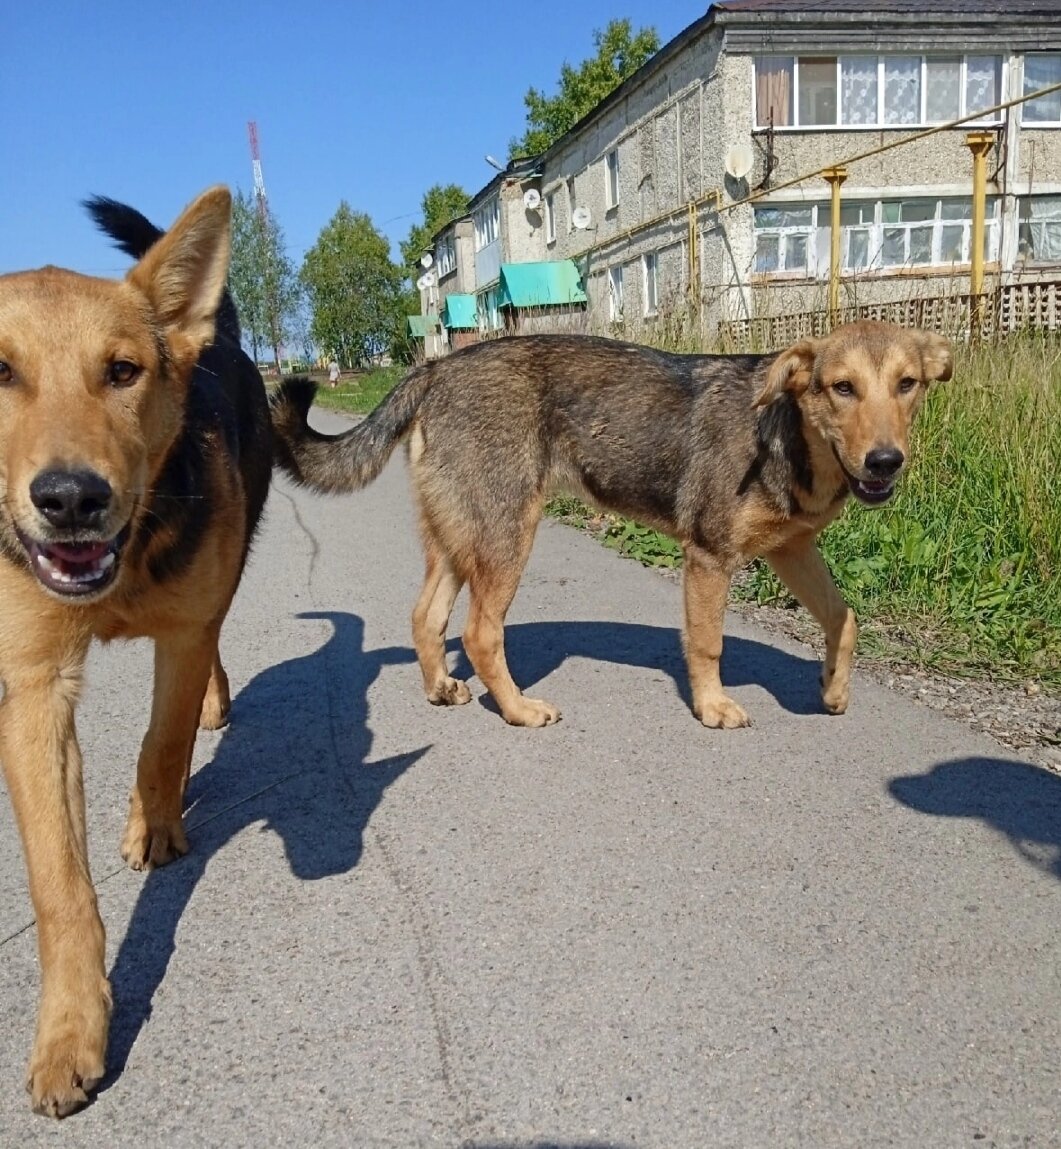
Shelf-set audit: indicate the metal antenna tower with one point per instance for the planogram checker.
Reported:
(259, 179)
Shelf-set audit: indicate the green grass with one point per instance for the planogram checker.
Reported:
(361, 393)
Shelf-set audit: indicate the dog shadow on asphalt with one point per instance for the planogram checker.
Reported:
(294, 760)
(536, 649)
(300, 733)
(1016, 799)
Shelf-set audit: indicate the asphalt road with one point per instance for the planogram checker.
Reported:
(407, 926)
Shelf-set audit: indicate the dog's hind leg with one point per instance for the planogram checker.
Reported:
(442, 584)
(154, 832)
(705, 584)
(42, 765)
(492, 585)
(802, 569)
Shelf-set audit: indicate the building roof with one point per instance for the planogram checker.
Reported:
(899, 26)
(926, 8)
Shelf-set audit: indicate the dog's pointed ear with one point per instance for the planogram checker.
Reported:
(184, 273)
(790, 371)
(937, 356)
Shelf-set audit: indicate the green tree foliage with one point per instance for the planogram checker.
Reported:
(262, 278)
(440, 205)
(354, 289)
(620, 52)
(404, 347)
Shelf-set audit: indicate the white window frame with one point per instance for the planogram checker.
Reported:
(488, 311)
(611, 179)
(487, 222)
(615, 293)
(650, 284)
(879, 123)
(1036, 124)
(785, 234)
(550, 217)
(816, 237)
(445, 257)
(1026, 220)
(572, 203)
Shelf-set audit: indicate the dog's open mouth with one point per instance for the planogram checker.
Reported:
(74, 568)
(871, 491)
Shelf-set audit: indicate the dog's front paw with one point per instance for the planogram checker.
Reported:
(721, 713)
(532, 712)
(68, 1057)
(147, 845)
(450, 692)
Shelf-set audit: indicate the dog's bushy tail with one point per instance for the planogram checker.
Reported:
(135, 234)
(337, 464)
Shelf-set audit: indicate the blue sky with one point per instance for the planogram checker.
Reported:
(365, 101)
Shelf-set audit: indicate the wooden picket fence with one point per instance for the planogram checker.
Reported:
(1001, 311)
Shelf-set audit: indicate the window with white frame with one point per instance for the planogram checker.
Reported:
(487, 222)
(875, 90)
(1039, 234)
(1041, 71)
(488, 311)
(611, 178)
(782, 238)
(875, 235)
(615, 293)
(650, 282)
(445, 259)
(550, 218)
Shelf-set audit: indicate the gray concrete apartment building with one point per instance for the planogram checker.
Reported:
(640, 184)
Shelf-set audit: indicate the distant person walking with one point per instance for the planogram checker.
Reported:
(333, 374)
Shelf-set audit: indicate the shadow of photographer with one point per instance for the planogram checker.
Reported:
(1018, 800)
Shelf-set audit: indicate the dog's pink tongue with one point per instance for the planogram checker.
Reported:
(78, 552)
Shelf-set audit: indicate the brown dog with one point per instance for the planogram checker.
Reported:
(131, 482)
(735, 456)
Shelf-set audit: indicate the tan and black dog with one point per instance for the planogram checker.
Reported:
(135, 458)
(734, 456)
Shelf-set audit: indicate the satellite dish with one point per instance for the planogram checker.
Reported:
(580, 217)
(739, 161)
(427, 259)
(532, 199)
(426, 280)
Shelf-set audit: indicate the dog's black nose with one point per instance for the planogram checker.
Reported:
(883, 462)
(71, 498)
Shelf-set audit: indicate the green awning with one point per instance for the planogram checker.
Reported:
(551, 284)
(420, 326)
(460, 311)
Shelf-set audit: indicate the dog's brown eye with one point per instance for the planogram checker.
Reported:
(122, 372)
(5, 372)
(907, 385)
(843, 387)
